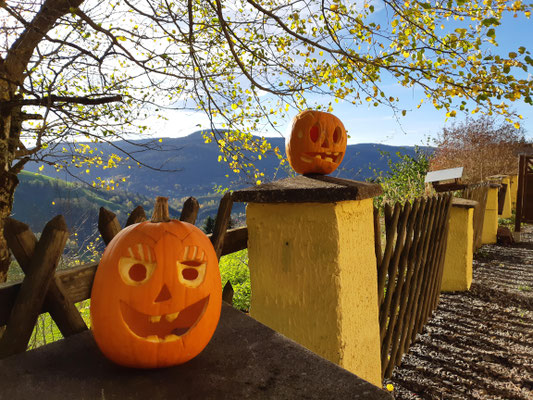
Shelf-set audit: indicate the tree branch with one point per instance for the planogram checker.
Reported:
(49, 100)
(22, 49)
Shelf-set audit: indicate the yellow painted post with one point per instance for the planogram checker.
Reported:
(490, 222)
(313, 267)
(457, 272)
(506, 212)
(514, 190)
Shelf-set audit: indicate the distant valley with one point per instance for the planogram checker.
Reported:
(196, 172)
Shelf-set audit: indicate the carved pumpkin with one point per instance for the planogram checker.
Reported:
(317, 143)
(157, 295)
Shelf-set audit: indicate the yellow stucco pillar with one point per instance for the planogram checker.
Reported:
(313, 267)
(506, 212)
(490, 222)
(457, 272)
(514, 190)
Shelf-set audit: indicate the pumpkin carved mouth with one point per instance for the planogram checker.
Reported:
(326, 156)
(166, 327)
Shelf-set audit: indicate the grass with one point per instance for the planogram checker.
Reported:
(234, 268)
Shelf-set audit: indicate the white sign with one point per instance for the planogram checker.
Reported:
(444, 175)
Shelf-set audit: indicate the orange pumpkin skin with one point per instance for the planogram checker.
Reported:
(317, 143)
(157, 295)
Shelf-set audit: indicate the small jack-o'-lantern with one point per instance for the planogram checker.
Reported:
(156, 296)
(317, 143)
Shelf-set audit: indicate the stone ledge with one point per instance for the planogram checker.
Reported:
(244, 360)
(308, 189)
(464, 203)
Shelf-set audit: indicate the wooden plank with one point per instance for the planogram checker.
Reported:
(136, 216)
(221, 223)
(377, 237)
(235, 239)
(422, 273)
(412, 260)
(435, 262)
(189, 213)
(410, 312)
(22, 242)
(227, 293)
(441, 256)
(108, 225)
(391, 222)
(399, 290)
(431, 269)
(437, 237)
(78, 280)
(385, 309)
(34, 287)
(447, 187)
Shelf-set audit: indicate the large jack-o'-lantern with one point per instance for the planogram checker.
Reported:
(317, 143)
(156, 296)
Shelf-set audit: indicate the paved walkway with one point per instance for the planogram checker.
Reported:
(479, 344)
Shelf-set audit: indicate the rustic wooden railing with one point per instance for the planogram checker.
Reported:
(409, 271)
(45, 290)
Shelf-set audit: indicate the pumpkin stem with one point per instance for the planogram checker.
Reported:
(161, 210)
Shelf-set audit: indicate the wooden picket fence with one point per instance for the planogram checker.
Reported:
(45, 290)
(409, 271)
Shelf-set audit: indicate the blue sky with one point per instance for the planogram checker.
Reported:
(378, 124)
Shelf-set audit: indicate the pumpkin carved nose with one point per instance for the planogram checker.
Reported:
(325, 143)
(163, 295)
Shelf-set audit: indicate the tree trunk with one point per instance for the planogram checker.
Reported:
(8, 183)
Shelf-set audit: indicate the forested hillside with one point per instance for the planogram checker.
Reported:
(195, 172)
(190, 166)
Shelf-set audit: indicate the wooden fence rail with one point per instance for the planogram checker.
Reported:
(45, 290)
(409, 272)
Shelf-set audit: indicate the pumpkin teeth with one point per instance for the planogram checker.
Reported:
(164, 328)
(325, 156)
(172, 317)
(170, 338)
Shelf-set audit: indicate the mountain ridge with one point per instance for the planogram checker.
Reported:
(195, 171)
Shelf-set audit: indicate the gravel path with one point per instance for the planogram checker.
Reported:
(479, 344)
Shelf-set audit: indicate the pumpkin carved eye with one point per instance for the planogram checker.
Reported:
(191, 270)
(337, 135)
(135, 272)
(314, 133)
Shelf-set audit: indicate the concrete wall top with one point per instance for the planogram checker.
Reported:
(464, 203)
(308, 189)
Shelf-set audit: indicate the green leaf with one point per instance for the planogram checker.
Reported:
(490, 21)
